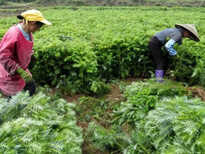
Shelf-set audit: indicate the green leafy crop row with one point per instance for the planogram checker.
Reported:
(38, 125)
(164, 118)
(93, 44)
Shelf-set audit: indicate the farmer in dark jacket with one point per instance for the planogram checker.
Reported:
(168, 38)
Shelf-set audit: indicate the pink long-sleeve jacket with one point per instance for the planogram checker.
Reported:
(15, 51)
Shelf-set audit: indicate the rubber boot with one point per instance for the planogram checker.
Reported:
(159, 75)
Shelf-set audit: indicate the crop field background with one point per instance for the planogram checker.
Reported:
(87, 44)
(97, 59)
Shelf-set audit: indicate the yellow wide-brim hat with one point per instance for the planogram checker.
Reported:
(33, 15)
(191, 28)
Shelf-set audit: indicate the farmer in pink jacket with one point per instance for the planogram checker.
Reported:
(15, 54)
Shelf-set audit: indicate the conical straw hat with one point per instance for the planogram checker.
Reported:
(191, 28)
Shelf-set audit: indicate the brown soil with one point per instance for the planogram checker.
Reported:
(115, 94)
(197, 92)
(73, 98)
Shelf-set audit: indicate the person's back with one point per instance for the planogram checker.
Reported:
(170, 33)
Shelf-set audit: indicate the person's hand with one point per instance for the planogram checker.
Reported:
(173, 53)
(24, 75)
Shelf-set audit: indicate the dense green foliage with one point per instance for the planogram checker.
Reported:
(142, 97)
(107, 46)
(38, 124)
(2, 2)
(177, 125)
(88, 44)
(156, 118)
